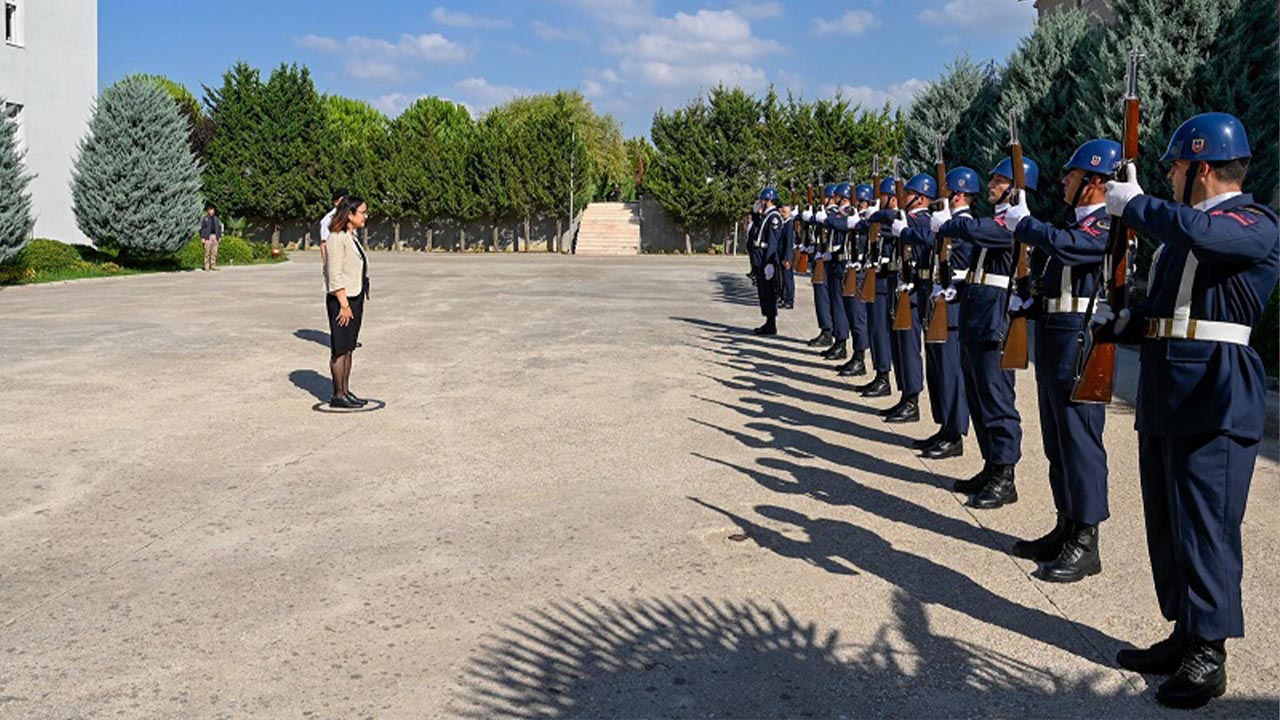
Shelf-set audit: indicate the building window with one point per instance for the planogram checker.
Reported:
(12, 22)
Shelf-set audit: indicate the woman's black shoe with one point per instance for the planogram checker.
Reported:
(342, 403)
(351, 397)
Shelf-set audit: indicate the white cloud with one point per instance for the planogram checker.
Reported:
(483, 95)
(551, 33)
(692, 50)
(898, 95)
(385, 61)
(466, 20)
(617, 13)
(592, 89)
(759, 10)
(853, 22)
(1000, 16)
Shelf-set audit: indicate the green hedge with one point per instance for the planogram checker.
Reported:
(231, 251)
(42, 255)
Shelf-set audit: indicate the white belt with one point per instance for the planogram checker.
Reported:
(982, 277)
(1067, 305)
(1192, 329)
(959, 276)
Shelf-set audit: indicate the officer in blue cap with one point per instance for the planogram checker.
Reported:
(816, 250)
(787, 288)
(838, 246)
(765, 245)
(983, 322)
(909, 245)
(944, 375)
(880, 262)
(854, 308)
(1071, 432)
(1201, 392)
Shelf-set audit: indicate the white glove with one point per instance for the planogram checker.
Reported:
(808, 249)
(826, 256)
(1017, 304)
(937, 292)
(1119, 193)
(938, 218)
(768, 271)
(856, 266)
(836, 248)
(807, 215)
(1103, 314)
(1017, 213)
(899, 224)
(872, 209)
(950, 294)
(906, 287)
(820, 216)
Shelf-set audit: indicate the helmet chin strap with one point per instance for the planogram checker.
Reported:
(1084, 180)
(1190, 182)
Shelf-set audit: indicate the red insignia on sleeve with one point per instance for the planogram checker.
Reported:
(1238, 217)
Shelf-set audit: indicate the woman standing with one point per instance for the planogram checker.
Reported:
(347, 280)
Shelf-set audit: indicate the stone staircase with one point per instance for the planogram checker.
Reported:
(609, 228)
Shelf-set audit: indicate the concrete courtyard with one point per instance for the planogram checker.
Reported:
(591, 493)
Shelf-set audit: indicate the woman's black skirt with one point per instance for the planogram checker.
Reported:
(342, 340)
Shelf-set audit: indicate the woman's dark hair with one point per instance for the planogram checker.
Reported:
(339, 194)
(342, 218)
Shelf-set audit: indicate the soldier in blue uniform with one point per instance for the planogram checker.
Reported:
(944, 375)
(789, 240)
(1201, 393)
(1071, 432)
(837, 250)
(850, 220)
(886, 277)
(765, 250)
(815, 249)
(983, 322)
(908, 249)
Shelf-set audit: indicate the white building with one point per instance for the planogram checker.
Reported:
(48, 80)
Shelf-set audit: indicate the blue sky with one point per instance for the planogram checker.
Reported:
(630, 57)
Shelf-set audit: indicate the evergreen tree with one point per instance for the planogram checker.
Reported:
(15, 201)
(135, 184)
(960, 107)
(199, 127)
(235, 175)
(354, 139)
(426, 168)
(681, 170)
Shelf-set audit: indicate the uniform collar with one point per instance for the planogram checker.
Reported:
(1087, 210)
(1217, 200)
(917, 211)
(967, 210)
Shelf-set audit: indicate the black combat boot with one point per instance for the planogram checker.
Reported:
(947, 447)
(855, 367)
(770, 327)
(1046, 548)
(893, 408)
(879, 387)
(908, 411)
(822, 340)
(928, 442)
(974, 485)
(999, 491)
(1079, 557)
(837, 351)
(1163, 658)
(1201, 676)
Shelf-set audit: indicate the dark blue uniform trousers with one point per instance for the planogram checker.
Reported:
(788, 286)
(856, 312)
(908, 364)
(822, 306)
(945, 379)
(878, 325)
(1193, 495)
(1072, 432)
(992, 403)
(767, 291)
(835, 289)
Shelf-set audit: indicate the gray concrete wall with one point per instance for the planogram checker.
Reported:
(52, 72)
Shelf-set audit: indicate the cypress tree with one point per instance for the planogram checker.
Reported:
(959, 106)
(135, 184)
(235, 175)
(15, 201)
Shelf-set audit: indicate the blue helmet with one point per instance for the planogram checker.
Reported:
(1029, 169)
(923, 184)
(769, 194)
(964, 180)
(1210, 137)
(843, 190)
(887, 186)
(1098, 156)
(829, 190)
(865, 193)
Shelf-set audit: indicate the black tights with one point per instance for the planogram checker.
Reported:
(340, 368)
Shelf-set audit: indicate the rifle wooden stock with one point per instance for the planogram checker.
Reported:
(902, 315)
(1095, 376)
(850, 283)
(819, 271)
(802, 262)
(938, 323)
(1013, 353)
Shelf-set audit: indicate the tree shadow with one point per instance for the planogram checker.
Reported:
(836, 543)
(318, 337)
(693, 657)
(320, 386)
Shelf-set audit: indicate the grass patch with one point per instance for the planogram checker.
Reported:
(44, 261)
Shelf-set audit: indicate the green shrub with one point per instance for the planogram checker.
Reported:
(261, 250)
(191, 256)
(13, 274)
(234, 251)
(48, 256)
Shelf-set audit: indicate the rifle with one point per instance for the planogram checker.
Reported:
(850, 287)
(819, 265)
(867, 292)
(938, 322)
(902, 316)
(802, 259)
(1013, 352)
(1095, 373)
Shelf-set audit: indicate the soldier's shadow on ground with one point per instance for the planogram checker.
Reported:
(735, 289)
(702, 657)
